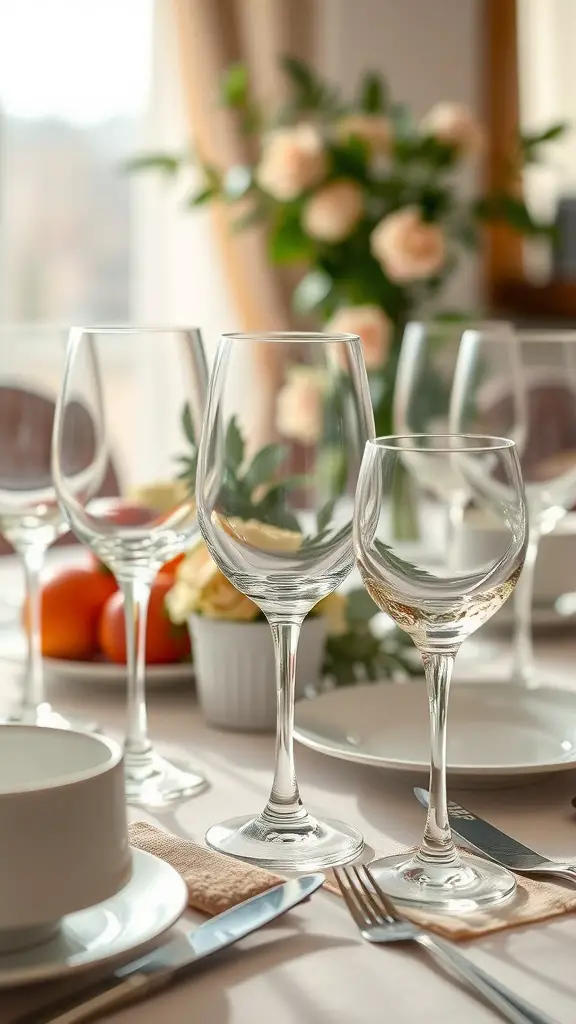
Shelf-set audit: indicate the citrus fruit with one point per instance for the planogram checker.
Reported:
(165, 641)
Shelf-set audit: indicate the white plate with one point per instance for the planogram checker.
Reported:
(497, 732)
(154, 899)
(105, 673)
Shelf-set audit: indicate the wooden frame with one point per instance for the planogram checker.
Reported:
(506, 288)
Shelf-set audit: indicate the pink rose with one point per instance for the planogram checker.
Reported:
(332, 213)
(372, 129)
(372, 326)
(454, 125)
(408, 247)
(300, 405)
(293, 160)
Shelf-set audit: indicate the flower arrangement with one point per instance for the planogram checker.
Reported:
(364, 199)
(256, 513)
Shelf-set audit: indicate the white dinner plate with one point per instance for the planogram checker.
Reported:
(151, 902)
(497, 733)
(105, 673)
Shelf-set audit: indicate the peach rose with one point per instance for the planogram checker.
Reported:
(372, 326)
(332, 213)
(454, 125)
(372, 129)
(201, 588)
(293, 159)
(408, 247)
(299, 405)
(261, 536)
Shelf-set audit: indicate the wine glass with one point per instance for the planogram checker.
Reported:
(421, 404)
(524, 385)
(31, 358)
(277, 467)
(439, 606)
(144, 391)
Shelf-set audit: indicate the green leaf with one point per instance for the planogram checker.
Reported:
(288, 242)
(234, 86)
(204, 195)
(164, 162)
(360, 607)
(324, 517)
(264, 465)
(310, 93)
(350, 160)
(372, 94)
(312, 291)
(529, 140)
(188, 425)
(234, 446)
(237, 182)
(512, 210)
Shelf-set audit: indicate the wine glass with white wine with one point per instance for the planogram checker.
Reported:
(440, 605)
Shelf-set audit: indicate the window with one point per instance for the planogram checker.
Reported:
(74, 82)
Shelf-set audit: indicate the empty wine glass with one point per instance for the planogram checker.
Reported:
(421, 404)
(144, 392)
(31, 359)
(524, 385)
(440, 606)
(277, 468)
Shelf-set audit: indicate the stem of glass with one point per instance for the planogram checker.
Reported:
(437, 846)
(33, 698)
(284, 809)
(523, 669)
(137, 747)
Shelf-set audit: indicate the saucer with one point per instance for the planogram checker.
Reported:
(121, 927)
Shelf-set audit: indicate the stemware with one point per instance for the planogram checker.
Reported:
(31, 358)
(144, 392)
(277, 468)
(440, 605)
(524, 385)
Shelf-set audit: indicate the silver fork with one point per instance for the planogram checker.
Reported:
(380, 921)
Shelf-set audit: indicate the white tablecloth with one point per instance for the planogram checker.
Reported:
(312, 968)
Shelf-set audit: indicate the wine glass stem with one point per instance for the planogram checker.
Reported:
(137, 746)
(284, 807)
(523, 654)
(437, 846)
(33, 695)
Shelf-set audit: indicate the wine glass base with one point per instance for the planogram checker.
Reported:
(165, 783)
(324, 845)
(45, 716)
(471, 884)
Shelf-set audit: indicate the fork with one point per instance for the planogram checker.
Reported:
(379, 921)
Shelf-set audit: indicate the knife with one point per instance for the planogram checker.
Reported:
(174, 961)
(490, 842)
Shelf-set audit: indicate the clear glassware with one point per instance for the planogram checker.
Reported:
(31, 359)
(277, 469)
(440, 605)
(144, 392)
(524, 385)
(421, 405)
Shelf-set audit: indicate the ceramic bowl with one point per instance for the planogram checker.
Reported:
(63, 829)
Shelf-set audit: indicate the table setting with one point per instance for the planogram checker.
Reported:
(133, 845)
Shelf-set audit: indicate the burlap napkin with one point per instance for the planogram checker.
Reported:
(216, 882)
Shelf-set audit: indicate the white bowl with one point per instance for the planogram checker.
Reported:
(63, 828)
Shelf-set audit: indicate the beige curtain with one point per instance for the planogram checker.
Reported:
(212, 34)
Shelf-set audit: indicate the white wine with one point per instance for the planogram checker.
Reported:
(449, 620)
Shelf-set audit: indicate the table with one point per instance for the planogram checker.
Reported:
(312, 967)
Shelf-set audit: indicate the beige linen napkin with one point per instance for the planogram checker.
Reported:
(216, 882)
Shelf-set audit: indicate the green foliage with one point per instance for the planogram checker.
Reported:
(288, 242)
(234, 86)
(373, 97)
(164, 162)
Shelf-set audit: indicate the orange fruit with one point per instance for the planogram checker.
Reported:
(170, 568)
(71, 602)
(165, 642)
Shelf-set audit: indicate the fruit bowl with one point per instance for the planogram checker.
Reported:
(106, 673)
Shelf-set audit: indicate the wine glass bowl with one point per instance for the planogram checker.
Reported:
(277, 470)
(112, 375)
(440, 603)
(525, 385)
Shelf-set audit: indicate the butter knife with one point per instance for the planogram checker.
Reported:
(490, 842)
(176, 959)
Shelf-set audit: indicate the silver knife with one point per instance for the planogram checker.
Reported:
(490, 842)
(173, 961)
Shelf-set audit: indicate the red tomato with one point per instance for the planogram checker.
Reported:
(165, 642)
